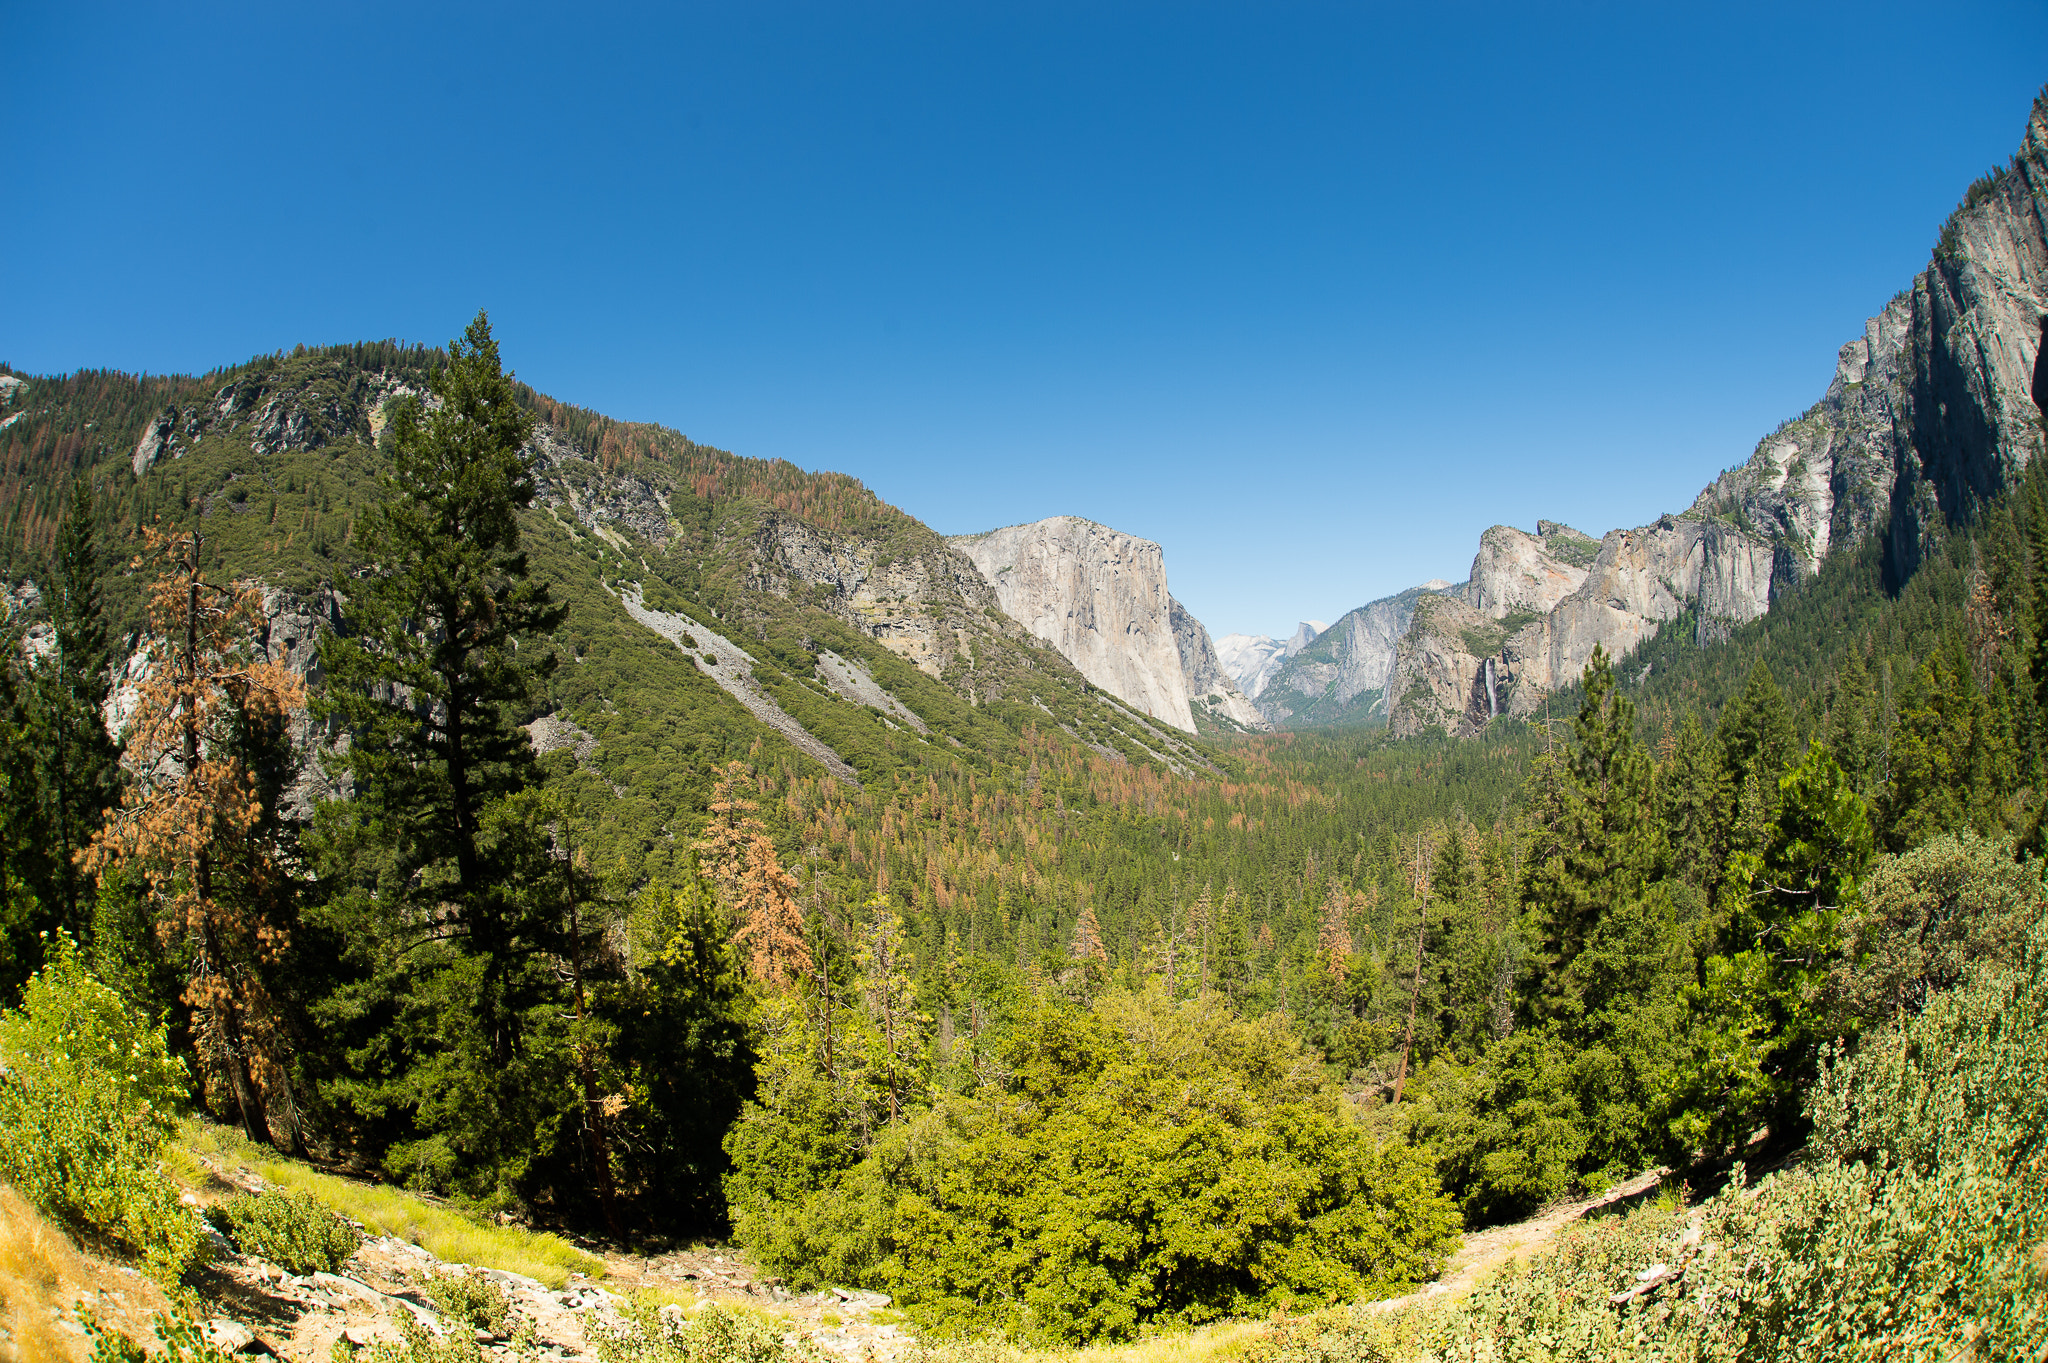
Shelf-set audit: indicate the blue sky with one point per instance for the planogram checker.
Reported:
(1311, 294)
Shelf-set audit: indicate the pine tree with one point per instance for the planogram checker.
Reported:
(1854, 727)
(1763, 1009)
(81, 763)
(897, 1057)
(759, 896)
(1596, 842)
(186, 822)
(1756, 732)
(1695, 798)
(447, 654)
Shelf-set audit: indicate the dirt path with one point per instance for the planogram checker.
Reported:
(1484, 1251)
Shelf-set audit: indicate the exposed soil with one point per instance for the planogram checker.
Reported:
(1484, 1251)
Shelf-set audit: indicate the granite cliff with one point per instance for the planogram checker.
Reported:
(1213, 695)
(1934, 408)
(1099, 596)
(1340, 674)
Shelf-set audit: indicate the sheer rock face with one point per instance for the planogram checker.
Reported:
(1439, 672)
(1516, 572)
(1971, 373)
(1933, 410)
(1342, 672)
(1098, 596)
(1212, 695)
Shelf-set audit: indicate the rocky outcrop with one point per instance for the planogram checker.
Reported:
(1441, 675)
(276, 409)
(1212, 694)
(288, 632)
(603, 500)
(1252, 660)
(1517, 573)
(1341, 675)
(926, 606)
(1098, 596)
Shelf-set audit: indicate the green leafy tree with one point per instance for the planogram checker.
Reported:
(89, 1094)
(1142, 1162)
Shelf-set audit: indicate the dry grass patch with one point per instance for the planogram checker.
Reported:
(43, 1277)
(1219, 1343)
(384, 1210)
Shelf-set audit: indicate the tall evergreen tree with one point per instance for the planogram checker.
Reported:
(446, 658)
(1695, 797)
(65, 701)
(1596, 842)
(1756, 732)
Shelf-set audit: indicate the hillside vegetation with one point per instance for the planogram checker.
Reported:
(1046, 1021)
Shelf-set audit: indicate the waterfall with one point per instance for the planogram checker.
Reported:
(1492, 702)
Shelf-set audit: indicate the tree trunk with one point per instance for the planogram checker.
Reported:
(586, 1073)
(1415, 995)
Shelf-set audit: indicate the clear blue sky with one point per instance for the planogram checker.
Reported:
(1310, 294)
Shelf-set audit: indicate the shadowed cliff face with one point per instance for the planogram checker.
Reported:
(1212, 696)
(1971, 418)
(1934, 409)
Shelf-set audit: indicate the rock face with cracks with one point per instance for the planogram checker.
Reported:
(1212, 695)
(1933, 410)
(1098, 596)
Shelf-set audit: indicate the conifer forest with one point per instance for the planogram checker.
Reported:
(372, 801)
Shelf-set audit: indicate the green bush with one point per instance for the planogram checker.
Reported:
(87, 1099)
(1144, 1163)
(179, 1340)
(470, 1297)
(289, 1229)
(1915, 1231)
(416, 1346)
(1928, 915)
(711, 1335)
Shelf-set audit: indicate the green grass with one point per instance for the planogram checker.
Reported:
(382, 1210)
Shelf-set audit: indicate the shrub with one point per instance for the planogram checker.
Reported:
(711, 1335)
(289, 1229)
(469, 1296)
(416, 1346)
(1915, 1232)
(1144, 1163)
(179, 1340)
(86, 1102)
(1927, 915)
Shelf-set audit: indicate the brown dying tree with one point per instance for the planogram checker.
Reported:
(190, 824)
(761, 896)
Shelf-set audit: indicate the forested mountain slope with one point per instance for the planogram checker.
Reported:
(1932, 412)
(557, 815)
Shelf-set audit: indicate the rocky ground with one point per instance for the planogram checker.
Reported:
(253, 1307)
